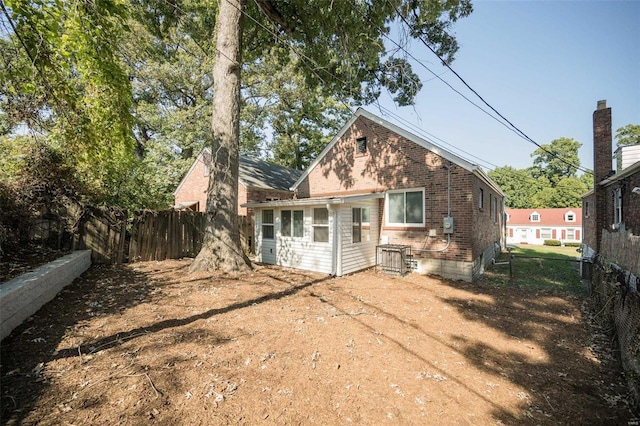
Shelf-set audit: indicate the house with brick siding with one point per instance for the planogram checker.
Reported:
(611, 218)
(534, 226)
(258, 180)
(378, 193)
(613, 205)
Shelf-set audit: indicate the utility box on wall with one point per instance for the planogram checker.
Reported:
(448, 225)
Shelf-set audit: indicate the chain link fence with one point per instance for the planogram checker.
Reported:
(616, 293)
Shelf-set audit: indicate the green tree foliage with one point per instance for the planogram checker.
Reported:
(628, 135)
(302, 119)
(341, 51)
(64, 81)
(550, 182)
(556, 160)
(518, 185)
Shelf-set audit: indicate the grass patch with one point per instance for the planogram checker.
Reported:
(538, 267)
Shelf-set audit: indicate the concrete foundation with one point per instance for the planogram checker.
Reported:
(22, 296)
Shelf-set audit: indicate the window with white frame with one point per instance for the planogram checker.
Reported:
(535, 217)
(360, 224)
(267, 224)
(321, 225)
(570, 217)
(405, 208)
(617, 206)
(545, 233)
(571, 234)
(481, 199)
(292, 223)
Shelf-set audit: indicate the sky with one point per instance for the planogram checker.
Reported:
(544, 65)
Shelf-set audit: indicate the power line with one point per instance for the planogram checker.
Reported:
(514, 127)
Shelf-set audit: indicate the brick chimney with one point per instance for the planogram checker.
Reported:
(602, 154)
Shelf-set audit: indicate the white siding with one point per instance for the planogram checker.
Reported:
(357, 256)
(304, 253)
(265, 249)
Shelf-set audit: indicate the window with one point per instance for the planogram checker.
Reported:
(570, 217)
(267, 224)
(495, 209)
(571, 234)
(361, 146)
(535, 217)
(321, 225)
(291, 227)
(360, 224)
(481, 199)
(356, 233)
(586, 209)
(405, 208)
(617, 207)
(545, 233)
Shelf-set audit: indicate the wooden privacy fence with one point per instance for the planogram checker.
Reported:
(151, 235)
(103, 231)
(159, 235)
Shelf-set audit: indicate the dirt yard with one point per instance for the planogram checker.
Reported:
(149, 343)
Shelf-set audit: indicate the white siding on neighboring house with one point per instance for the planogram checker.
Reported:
(356, 256)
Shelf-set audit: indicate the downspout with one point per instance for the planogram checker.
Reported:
(336, 249)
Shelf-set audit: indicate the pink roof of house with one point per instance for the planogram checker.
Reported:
(548, 217)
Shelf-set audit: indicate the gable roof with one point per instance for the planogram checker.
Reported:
(474, 168)
(548, 217)
(253, 173)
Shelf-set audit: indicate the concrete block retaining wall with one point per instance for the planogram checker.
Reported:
(22, 296)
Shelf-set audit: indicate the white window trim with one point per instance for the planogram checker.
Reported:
(550, 235)
(403, 225)
(570, 213)
(319, 225)
(534, 214)
(617, 207)
(272, 224)
(292, 225)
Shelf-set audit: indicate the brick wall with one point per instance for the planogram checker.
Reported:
(195, 184)
(602, 153)
(393, 162)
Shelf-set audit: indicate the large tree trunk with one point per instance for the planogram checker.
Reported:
(221, 249)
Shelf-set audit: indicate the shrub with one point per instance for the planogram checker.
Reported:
(572, 244)
(552, 243)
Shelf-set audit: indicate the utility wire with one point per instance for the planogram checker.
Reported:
(514, 127)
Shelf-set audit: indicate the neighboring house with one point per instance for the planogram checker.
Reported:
(534, 226)
(611, 217)
(378, 193)
(258, 180)
(614, 203)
